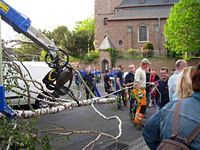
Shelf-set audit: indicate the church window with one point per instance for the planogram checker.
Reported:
(105, 21)
(143, 33)
(120, 42)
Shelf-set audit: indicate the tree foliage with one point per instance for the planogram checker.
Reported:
(27, 49)
(61, 36)
(83, 36)
(182, 29)
(76, 42)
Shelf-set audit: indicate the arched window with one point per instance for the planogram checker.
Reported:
(105, 65)
(105, 21)
(120, 42)
(143, 33)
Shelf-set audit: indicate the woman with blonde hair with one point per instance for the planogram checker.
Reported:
(184, 83)
(159, 126)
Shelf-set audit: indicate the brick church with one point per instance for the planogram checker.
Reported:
(130, 23)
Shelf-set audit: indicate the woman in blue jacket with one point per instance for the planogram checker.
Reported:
(159, 126)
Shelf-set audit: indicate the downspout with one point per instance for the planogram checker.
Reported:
(159, 35)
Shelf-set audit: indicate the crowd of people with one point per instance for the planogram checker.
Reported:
(91, 77)
(140, 93)
(143, 88)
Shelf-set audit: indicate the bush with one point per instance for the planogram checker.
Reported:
(23, 135)
(73, 59)
(147, 50)
(148, 46)
(133, 52)
(93, 55)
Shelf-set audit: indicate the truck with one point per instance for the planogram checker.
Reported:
(37, 71)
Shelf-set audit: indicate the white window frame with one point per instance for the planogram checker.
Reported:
(139, 33)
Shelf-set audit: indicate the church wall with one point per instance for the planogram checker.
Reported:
(103, 9)
(118, 30)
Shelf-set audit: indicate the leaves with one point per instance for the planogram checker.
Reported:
(22, 135)
(61, 36)
(182, 29)
(83, 37)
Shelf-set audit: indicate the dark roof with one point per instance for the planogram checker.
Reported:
(142, 13)
(127, 3)
(106, 43)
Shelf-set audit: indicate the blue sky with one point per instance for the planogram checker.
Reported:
(48, 14)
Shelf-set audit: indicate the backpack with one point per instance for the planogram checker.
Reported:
(176, 142)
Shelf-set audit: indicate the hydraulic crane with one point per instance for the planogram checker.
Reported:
(60, 73)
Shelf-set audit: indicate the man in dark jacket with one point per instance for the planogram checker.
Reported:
(89, 79)
(129, 81)
(162, 97)
(119, 86)
(107, 83)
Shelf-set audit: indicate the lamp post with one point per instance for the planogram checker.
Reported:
(88, 36)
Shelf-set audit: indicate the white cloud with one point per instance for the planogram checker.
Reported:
(48, 14)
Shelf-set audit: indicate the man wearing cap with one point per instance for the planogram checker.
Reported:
(139, 91)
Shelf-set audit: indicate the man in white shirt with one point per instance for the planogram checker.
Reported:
(180, 65)
(139, 92)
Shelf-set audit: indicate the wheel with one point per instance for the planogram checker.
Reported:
(41, 104)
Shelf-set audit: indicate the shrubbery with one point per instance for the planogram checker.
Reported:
(91, 56)
(147, 50)
(22, 135)
(73, 59)
(133, 52)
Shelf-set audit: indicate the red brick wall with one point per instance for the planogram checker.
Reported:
(103, 9)
(104, 55)
(157, 63)
(118, 30)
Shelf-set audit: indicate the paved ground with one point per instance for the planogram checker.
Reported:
(85, 118)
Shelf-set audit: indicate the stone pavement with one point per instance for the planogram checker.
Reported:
(85, 118)
(138, 144)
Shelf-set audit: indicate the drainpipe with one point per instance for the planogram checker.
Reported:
(159, 36)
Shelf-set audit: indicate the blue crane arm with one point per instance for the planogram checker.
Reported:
(61, 72)
(22, 24)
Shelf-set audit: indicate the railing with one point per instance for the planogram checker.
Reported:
(160, 52)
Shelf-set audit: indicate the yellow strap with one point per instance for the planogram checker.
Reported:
(50, 74)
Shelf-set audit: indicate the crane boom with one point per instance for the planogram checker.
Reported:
(22, 24)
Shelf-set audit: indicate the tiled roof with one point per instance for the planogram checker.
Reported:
(125, 3)
(106, 43)
(142, 13)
